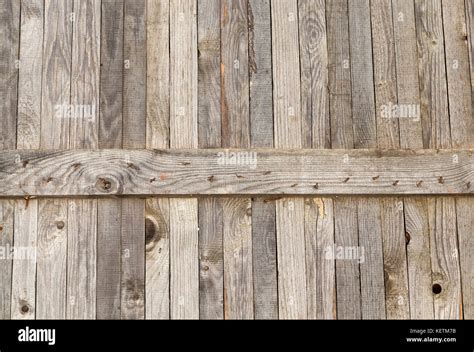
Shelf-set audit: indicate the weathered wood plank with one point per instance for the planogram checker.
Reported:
(9, 49)
(371, 259)
(362, 75)
(320, 269)
(204, 172)
(418, 256)
(461, 117)
(110, 136)
(470, 40)
(260, 71)
(395, 259)
(347, 268)
(445, 258)
(408, 85)
(184, 246)
(7, 214)
(314, 73)
(432, 71)
(264, 247)
(157, 232)
(238, 280)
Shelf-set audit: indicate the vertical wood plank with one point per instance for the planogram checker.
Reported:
(184, 246)
(288, 134)
(470, 40)
(6, 243)
(110, 136)
(371, 263)
(465, 224)
(157, 285)
(320, 269)
(52, 214)
(238, 281)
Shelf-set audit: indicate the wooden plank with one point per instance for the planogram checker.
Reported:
(339, 74)
(209, 85)
(395, 259)
(52, 214)
(157, 244)
(7, 215)
(362, 75)
(288, 134)
(157, 229)
(211, 258)
(260, 71)
(264, 247)
(470, 40)
(9, 49)
(465, 224)
(238, 280)
(184, 246)
(371, 259)
(417, 238)
(182, 172)
(432, 71)
(52, 259)
(235, 74)
(320, 269)
(134, 136)
(133, 259)
(314, 74)
(457, 68)
(110, 136)
(445, 258)
(408, 85)
(347, 269)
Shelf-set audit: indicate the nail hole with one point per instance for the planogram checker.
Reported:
(436, 289)
(25, 309)
(60, 225)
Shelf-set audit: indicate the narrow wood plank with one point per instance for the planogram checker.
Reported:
(432, 71)
(264, 247)
(184, 285)
(260, 71)
(314, 75)
(470, 40)
(157, 231)
(371, 259)
(445, 258)
(339, 74)
(418, 256)
(52, 259)
(457, 68)
(465, 224)
(211, 258)
(209, 62)
(320, 269)
(408, 85)
(362, 75)
(7, 214)
(238, 280)
(52, 214)
(288, 133)
(395, 259)
(184, 246)
(9, 49)
(110, 136)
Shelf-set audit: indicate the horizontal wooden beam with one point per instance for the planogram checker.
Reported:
(70, 173)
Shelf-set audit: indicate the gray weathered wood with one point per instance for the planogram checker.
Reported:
(320, 269)
(470, 40)
(7, 214)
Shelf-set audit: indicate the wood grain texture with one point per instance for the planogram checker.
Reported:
(7, 216)
(445, 258)
(260, 72)
(320, 268)
(417, 237)
(432, 72)
(157, 246)
(395, 259)
(314, 74)
(238, 279)
(470, 40)
(371, 259)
